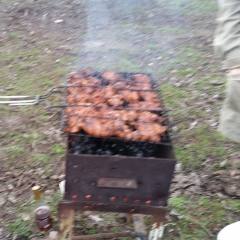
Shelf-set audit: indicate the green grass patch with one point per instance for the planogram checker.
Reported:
(14, 148)
(41, 158)
(184, 72)
(20, 227)
(194, 146)
(33, 71)
(173, 96)
(201, 216)
(10, 1)
(188, 8)
(128, 64)
(14, 152)
(152, 47)
(171, 30)
(151, 27)
(53, 202)
(13, 35)
(189, 55)
(205, 84)
(57, 149)
(28, 70)
(24, 228)
(201, 143)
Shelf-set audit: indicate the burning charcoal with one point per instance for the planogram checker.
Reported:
(84, 151)
(99, 152)
(148, 153)
(79, 139)
(121, 151)
(78, 148)
(109, 153)
(90, 152)
(74, 143)
(133, 150)
(77, 152)
(114, 148)
(140, 154)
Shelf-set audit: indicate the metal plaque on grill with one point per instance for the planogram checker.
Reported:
(117, 183)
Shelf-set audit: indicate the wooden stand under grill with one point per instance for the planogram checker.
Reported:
(66, 214)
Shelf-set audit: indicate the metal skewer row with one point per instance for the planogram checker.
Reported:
(29, 100)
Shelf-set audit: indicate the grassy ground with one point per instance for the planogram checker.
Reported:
(29, 68)
(188, 83)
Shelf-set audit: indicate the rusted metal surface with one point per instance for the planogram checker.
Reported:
(111, 207)
(117, 183)
(103, 236)
(153, 177)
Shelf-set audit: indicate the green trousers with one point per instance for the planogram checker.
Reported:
(227, 45)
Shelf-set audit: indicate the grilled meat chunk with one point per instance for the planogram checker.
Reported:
(111, 76)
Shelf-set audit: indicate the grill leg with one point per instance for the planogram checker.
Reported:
(66, 212)
(157, 230)
(139, 226)
(66, 221)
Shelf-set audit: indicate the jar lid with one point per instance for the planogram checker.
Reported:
(42, 212)
(35, 188)
(37, 192)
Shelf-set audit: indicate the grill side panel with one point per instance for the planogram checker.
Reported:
(143, 181)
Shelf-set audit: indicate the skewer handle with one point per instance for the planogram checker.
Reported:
(19, 100)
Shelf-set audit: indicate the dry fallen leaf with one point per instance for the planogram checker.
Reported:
(193, 125)
(95, 218)
(26, 217)
(58, 21)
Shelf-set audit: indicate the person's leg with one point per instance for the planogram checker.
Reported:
(229, 124)
(227, 45)
(227, 35)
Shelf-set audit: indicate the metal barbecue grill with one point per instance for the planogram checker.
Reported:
(112, 174)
